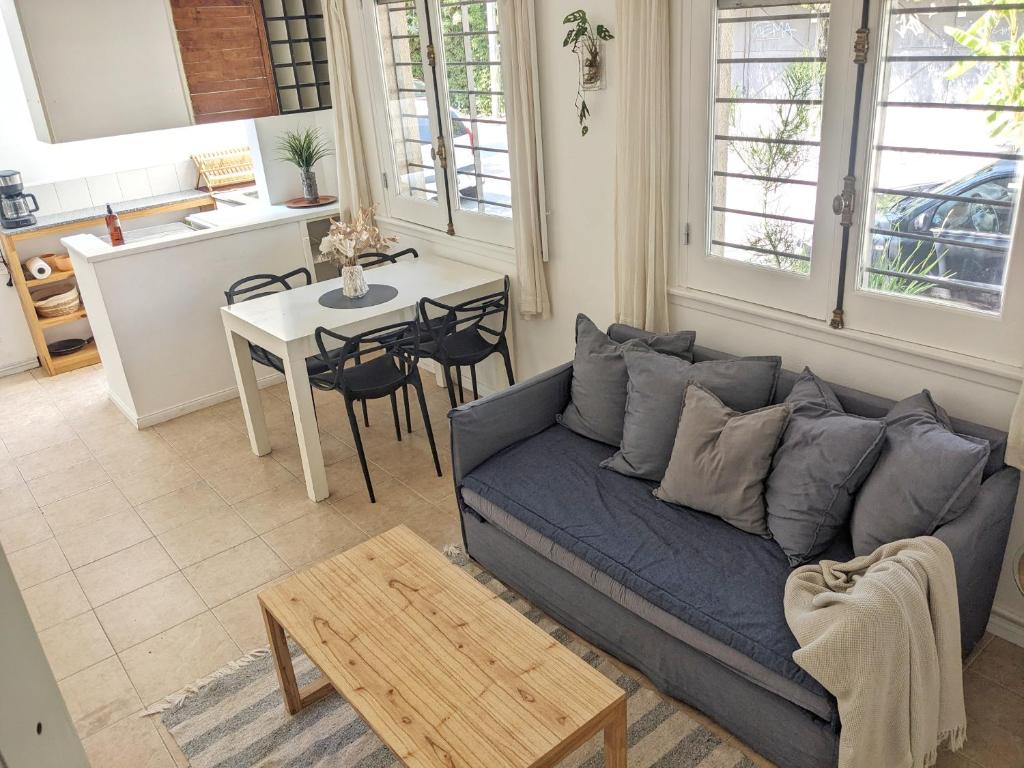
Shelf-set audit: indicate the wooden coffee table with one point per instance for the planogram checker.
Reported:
(443, 671)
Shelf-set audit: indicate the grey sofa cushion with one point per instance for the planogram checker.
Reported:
(926, 475)
(678, 344)
(721, 458)
(824, 457)
(599, 378)
(654, 401)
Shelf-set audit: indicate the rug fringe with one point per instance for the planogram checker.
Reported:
(177, 698)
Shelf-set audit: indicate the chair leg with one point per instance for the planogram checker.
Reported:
(408, 414)
(359, 447)
(418, 385)
(503, 349)
(394, 412)
(458, 375)
(472, 377)
(366, 414)
(449, 386)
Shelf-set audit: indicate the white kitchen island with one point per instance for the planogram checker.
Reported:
(154, 303)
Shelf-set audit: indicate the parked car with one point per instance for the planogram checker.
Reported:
(966, 238)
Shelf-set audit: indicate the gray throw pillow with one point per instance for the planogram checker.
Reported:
(599, 379)
(678, 344)
(824, 457)
(654, 401)
(926, 476)
(721, 458)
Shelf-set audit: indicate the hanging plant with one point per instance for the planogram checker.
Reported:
(585, 41)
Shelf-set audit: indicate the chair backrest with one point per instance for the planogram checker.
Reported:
(470, 314)
(375, 258)
(257, 286)
(398, 340)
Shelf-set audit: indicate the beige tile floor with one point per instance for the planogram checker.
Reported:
(139, 554)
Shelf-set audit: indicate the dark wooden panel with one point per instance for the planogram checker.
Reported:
(225, 57)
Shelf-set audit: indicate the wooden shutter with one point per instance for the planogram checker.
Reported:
(224, 54)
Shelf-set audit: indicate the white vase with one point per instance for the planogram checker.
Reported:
(353, 282)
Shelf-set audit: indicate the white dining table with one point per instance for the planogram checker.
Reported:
(285, 323)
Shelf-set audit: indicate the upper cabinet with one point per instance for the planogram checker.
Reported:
(95, 68)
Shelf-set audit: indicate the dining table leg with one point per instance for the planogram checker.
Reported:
(249, 393)
(301, 399)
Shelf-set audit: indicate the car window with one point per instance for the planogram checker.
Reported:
(981, 216)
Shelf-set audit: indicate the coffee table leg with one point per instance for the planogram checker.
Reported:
(283, 663)
(615, 738)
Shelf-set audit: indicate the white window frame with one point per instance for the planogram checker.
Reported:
(806, 295)
(473, 225)
(995, 336)
(983, 335)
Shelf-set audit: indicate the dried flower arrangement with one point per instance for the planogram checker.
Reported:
(345, 241)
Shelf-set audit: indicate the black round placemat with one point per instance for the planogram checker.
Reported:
(377, 294)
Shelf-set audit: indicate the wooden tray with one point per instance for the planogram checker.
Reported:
(301, 202)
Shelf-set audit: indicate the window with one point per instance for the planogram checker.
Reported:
(929, 129)
(447, 161)
(770, 81)
(945, 157)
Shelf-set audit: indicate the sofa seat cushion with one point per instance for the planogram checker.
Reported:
(720, 587)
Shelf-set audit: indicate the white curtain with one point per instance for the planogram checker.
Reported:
(353, 179)
(517, 54)
(643, 163)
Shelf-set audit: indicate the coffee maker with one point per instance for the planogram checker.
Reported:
(16, 207)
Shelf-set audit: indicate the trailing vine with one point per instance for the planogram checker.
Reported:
(584, 40)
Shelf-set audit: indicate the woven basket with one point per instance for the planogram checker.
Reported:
(59, 304)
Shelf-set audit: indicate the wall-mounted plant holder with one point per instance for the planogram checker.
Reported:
(586, 42)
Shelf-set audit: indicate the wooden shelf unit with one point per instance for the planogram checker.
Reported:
(9, 243)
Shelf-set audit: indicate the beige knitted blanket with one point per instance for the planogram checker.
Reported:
(882, 634)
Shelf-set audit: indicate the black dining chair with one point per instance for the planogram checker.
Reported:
(258, 286)
(376, 258)
(392, 354)
(456, 337)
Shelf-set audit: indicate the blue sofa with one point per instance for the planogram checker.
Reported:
(687, 599)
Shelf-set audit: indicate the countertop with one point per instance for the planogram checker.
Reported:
(220, 223)
(99, 211)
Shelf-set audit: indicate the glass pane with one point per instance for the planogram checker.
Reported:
(769, 82)
(476, 105)
(948, 132)
(411, 133)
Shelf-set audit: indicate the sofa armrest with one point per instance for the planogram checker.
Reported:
(977, 539)
(482, 428)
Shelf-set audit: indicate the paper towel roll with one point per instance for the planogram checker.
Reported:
(38, 268)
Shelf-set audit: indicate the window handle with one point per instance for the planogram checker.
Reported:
(842, 204)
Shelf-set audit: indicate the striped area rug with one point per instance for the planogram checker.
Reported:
(237, 719)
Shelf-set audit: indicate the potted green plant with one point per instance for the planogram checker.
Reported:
(303, 148)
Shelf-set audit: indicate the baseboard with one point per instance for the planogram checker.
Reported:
(166, 414)
(25, 365)
(1007, 626)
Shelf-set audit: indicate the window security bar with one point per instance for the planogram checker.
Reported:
(484, 201)
(488, 121)
(768, 251)
(775, 17)
(733, 5)
(972, 8)
(458, 3)
(938, 240)
(483, 175)
(945, 105)
(949, 152)
(484, 149)
(800, 102)
(764, 140)
(944, 198)
(775, 179)
(758, 215)
(770, 60)
(945, 282)
(471, 34)
(952, 58)
(475, 93)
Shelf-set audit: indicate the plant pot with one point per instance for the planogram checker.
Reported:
(353, 282)
(309, 189)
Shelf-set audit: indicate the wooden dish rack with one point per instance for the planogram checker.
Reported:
(11, 240)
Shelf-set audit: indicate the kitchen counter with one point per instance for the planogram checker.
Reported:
(99, 211)
(209, 225)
